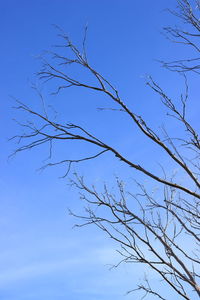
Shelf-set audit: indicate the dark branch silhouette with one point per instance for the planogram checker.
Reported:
(150, 229)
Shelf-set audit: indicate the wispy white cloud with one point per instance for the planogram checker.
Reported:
(69, 264)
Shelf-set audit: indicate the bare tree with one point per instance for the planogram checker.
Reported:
(150, 228)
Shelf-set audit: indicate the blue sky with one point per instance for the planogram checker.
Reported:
(41, 257)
